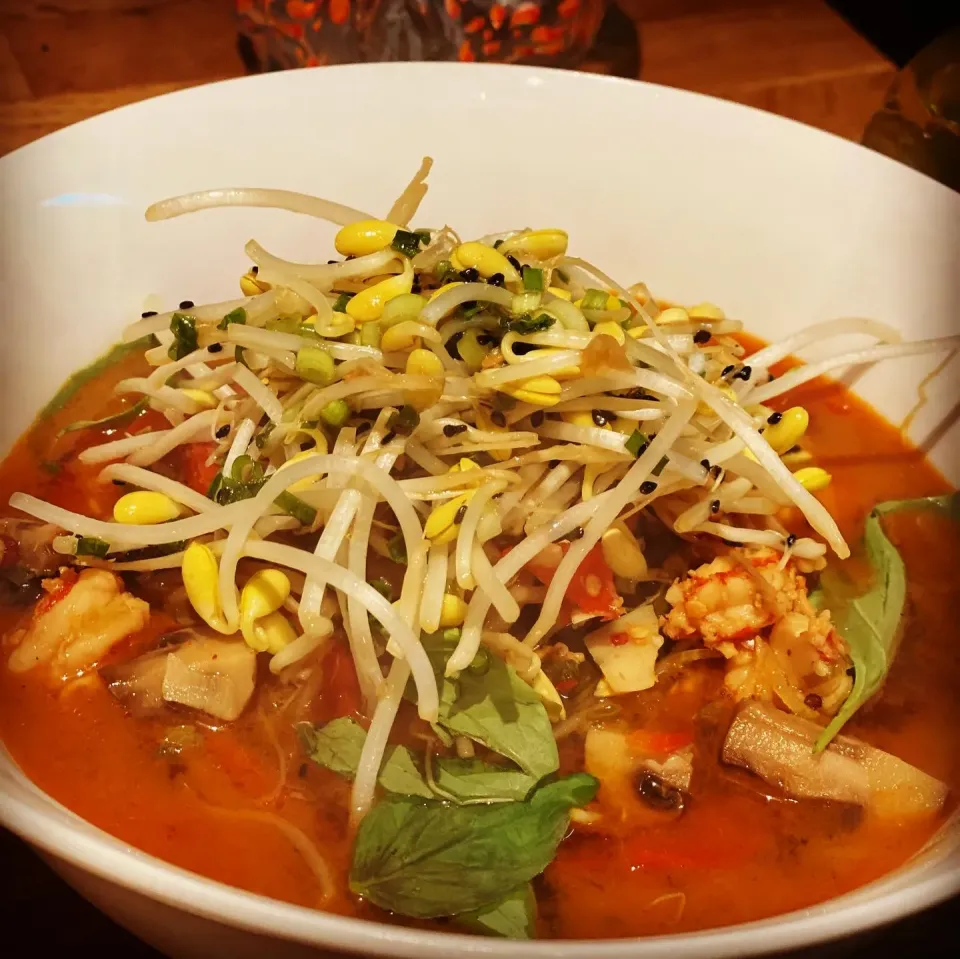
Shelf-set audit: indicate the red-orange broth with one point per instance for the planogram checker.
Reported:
(738, 852)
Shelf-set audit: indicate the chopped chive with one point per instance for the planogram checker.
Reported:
(451, 635)
(340, 304)
(335, 413)
(406, 243)
(92, 546)
(424, 235)
(302, 512)
(184, 329)
(636, 442)
(528, 324)
(239, 315)
(659, 468)
(533, 279)
(594, 300)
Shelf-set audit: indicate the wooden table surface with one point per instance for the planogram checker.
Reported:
(66, 60)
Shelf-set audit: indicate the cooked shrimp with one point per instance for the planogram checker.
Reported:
(737, 595)
(78, 621)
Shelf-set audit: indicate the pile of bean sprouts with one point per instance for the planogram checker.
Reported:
(537, 477)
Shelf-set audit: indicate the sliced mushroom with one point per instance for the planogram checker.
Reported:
(216, 676)
(779, 748)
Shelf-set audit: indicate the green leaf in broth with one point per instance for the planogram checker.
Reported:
(78, 380)
(871, 622)
(337, 746)
(427, 859)
(513, 917)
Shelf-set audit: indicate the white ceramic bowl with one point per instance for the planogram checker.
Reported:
(780, 224)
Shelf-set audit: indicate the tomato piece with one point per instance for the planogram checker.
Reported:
(592, 589)
(196, 472)
(340, 695)
(658, 742)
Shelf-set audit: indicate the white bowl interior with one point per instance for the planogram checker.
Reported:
(779, 224)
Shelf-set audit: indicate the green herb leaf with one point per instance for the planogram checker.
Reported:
(340, 304)
(406, 243)
(338, 745)
(528, 324)
(405, 420)
(92, 546)
(301, 511)
(513, 917)
(397, 548)
(114, 419)
(184, 329)
(496, 708)
(871, 622)
(428, 859)
(239, 315)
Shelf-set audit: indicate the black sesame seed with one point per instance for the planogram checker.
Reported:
(118, 482)
(716, 471)
(331, 262)
(599, 417)
(576, 533)
(498, 279)
(186, 304)
(791, 539)
(415, 286)
(303, 770)
(744, 374)
(715, 506)
(553, 464)
(702, 336)
(387, 437)
(222, 432)
(705, 464)
(774, 418)
(254, 270)
(726, 370)
(642, 448)
(498, 419)
(214, 347)
(536, 418)
(851, 671)
(813, 701)
(469, 275)
(647, 487)
(452, 429)
(149, 313)
(458, 517)
(514, 262)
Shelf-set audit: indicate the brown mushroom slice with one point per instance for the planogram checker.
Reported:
(778, 747)
(215, 676)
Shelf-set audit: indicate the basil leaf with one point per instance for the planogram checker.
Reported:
(338, 745)
(870, 623)
(490, 704)
(513, 917)
(427, 859)
(468, 781)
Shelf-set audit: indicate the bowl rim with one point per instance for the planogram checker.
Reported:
(49, 826)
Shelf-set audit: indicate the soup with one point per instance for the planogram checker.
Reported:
(452, 584)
